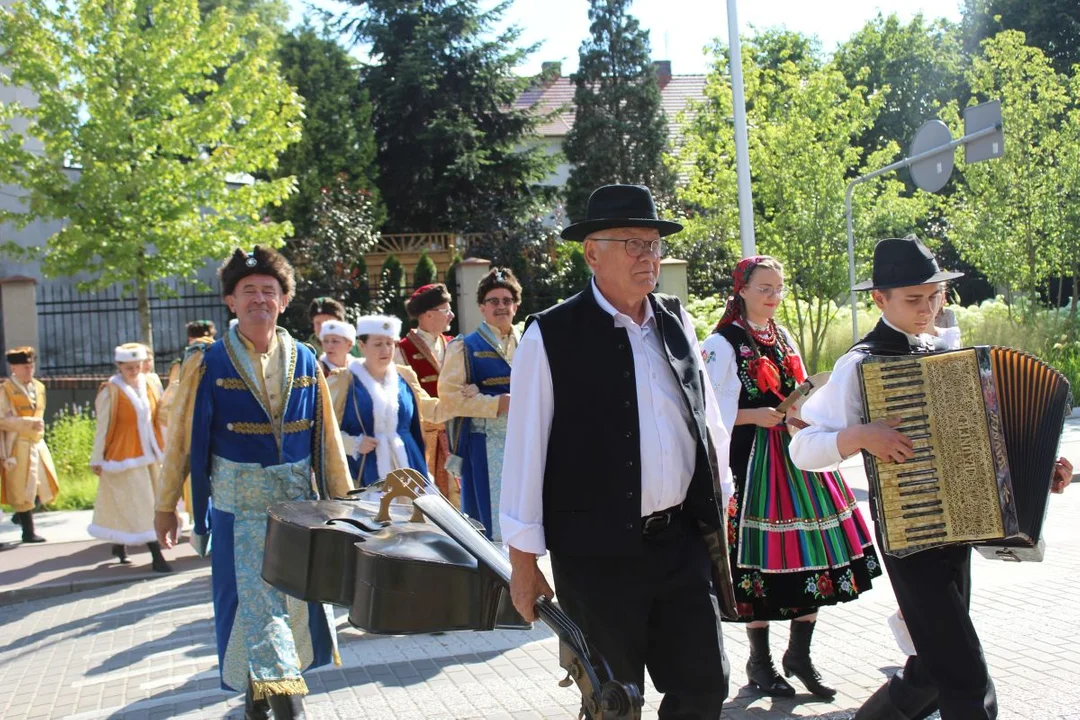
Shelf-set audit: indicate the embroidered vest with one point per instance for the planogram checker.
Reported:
(421, 364)
(487, 368)
(22, 406)
(230, 406)
(122, 442)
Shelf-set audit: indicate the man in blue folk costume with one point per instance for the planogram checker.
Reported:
(478, 431)
(256, 426)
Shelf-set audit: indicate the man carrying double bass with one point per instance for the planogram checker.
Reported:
(614, 457)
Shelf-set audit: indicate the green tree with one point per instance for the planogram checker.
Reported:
(453, 151)
(918, 66)
(452, 288)
(1053, 26)
(426, 272)
(338, 139)
(268, 16)
(144, 179)
(620, 132)
(391, 286)
(330, 259)
(805, 124)
(1007, 214)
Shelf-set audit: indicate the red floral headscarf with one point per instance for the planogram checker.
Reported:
(743, 271)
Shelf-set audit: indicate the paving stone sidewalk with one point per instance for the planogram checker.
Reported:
(146, 650)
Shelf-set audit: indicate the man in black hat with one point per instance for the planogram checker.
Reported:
(614, 463)
(933, 587)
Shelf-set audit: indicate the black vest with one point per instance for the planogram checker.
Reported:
(592, 479)
(883, 340)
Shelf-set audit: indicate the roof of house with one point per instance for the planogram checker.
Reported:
(675, 92)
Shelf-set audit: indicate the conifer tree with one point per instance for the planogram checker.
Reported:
(620, 132)
(454, 154)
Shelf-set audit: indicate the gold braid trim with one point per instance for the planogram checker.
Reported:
(254, 428)
(262, 689)
(231, 383)
(295, 426)
(487, 354)
(250, 428)
(504, 380)
(304, 381)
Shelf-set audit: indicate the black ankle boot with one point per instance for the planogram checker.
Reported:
(120, 553)
(159, 564)
(28, 534)
(797, 660)
(255, 709)
(760, 670)
(287, 707)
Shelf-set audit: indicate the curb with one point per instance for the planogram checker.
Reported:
(15, 596)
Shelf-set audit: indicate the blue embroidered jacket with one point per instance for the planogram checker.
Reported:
(231, 422)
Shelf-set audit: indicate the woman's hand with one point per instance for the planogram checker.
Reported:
(367, 445)
(762, 417)
(470, 391)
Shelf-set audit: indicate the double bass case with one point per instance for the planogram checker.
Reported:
(396, 578)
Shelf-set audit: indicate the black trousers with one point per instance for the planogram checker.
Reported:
(657, 610)
(933, 590)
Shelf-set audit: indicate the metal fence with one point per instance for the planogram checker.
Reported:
(77, 331)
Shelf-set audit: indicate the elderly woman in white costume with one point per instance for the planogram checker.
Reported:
(126, 458)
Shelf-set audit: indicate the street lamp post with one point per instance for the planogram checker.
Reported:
(742, 153)
(931, 168)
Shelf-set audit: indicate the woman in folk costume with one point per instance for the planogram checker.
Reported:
(380, 424)
(126, 458)
(336, 338)
(797, 539)
(26, 466)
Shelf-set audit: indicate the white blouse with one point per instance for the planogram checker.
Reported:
(723, 368)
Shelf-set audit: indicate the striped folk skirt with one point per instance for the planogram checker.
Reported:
(798, 541)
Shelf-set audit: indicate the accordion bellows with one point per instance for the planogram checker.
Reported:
(985, 424)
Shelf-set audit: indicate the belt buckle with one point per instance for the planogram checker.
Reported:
(662, 520)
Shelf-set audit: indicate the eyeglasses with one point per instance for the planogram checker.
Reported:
(636, 247)
(496, 302)
(769, 291)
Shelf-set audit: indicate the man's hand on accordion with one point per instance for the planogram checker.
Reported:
(882, 440)
(1063, 472)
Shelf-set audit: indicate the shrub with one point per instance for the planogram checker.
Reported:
(70, 437)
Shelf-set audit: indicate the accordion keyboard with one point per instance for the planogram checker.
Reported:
(948, 492)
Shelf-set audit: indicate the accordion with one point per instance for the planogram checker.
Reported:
(985, 424)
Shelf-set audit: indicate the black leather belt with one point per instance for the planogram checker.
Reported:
(660, 520)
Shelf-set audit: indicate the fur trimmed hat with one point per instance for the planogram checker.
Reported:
(326, 306)
(201, 328)
(21, 355)
(427, 298)
(130, 352)
(339, 328)
(379, 325)
(260, 261)
(498, 277)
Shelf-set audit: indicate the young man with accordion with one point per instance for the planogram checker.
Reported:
(894, 397)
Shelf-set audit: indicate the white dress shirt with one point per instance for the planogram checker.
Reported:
(838, 405)
(668, 452)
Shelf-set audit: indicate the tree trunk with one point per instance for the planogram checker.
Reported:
(1073, 300)
(142, 295)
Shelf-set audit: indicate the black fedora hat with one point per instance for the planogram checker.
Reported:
(616, 206)
(904, 262)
